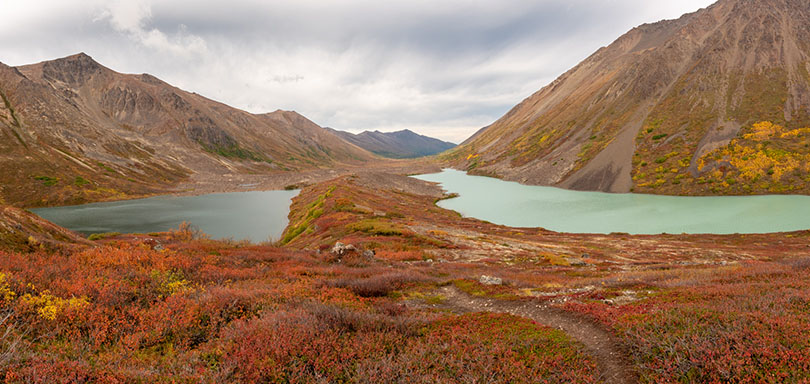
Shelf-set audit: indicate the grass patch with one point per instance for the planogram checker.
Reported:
(47, 180)
(474, 288)
(80, 181)
(100, 236)
(234, 151)
(106, 168)
(314, 210)
(377, 227)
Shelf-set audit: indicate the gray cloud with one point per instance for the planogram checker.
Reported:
(440, 68)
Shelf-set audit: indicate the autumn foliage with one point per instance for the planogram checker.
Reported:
(206, 311)
(178, 307)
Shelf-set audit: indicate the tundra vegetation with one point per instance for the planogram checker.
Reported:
(178, 307)
(765, 158)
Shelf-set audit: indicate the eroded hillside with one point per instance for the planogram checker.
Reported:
(654, 111)
(74, 131)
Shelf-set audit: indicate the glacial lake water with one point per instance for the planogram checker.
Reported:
(255, 216)
(516, 205)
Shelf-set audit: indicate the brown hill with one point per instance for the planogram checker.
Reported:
(24, 231)
(72, 130)
(671, 108)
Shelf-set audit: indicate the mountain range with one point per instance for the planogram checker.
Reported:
(404, 144)
(716, 102)
(72, 130)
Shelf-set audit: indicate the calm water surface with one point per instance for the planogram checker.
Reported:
(517, 205)
(256, 216)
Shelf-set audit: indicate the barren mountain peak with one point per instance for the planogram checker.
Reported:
(81, 58)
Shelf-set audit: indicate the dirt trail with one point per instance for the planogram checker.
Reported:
(600, 344)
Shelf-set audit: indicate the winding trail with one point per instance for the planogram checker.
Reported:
(601, 345)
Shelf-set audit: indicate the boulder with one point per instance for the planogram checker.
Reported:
(490, 280)
(341, 249)
(577, 262)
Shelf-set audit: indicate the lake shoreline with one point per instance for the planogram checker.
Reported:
(257, 216)
(568, 211)
(209, 183)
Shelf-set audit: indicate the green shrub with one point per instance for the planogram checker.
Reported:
(376, 227)
(47, 180)
(99, 236)
(80, 181)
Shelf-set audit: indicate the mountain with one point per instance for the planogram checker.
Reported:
(72, 130)
(397, 145)
(715, 102)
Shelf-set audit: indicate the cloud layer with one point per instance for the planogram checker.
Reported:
(443, 69)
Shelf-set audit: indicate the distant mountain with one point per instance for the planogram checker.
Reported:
(715, 102)
(72, 131)
(396, 145)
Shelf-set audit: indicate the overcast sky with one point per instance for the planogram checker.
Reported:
(442, 68)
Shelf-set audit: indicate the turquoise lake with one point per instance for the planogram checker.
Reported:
(516, 205)
(255, 216)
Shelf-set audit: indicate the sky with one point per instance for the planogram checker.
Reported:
(440, 68)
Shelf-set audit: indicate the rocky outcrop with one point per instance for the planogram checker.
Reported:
(341, 249)
(490, 280)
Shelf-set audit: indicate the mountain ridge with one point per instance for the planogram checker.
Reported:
(86, 132)
(402, 144)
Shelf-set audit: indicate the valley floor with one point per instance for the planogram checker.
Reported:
(403, 300)
(203, 183)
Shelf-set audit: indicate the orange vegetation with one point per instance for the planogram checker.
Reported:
(179, 308)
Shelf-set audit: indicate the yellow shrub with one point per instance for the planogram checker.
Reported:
(171, 283)
(5, 291)
(49, 306)
(796, 133)
(753, 159)
(764, 130)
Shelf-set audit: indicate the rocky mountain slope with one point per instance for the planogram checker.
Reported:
(716, 102)
(404, 144)
(72, 131)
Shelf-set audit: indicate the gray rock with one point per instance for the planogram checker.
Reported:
(490, 280)
(341, 249)
(369, 254)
